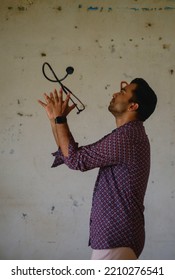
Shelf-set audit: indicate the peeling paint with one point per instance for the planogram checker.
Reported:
(107, 86)
(172, 194)
(11, 152)
(112, 48)
(75, 202)
(166, 46)
(21, 8)
(43, 54)
(24, 216)
(52, 209)
(59, 8)
(148, 24)
(97, 41)
(24, 115)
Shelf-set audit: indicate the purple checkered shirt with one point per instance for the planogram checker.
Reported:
(123, 158)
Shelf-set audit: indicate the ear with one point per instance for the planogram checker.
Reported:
(133, 107)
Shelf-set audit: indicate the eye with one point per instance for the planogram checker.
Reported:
(122, 91)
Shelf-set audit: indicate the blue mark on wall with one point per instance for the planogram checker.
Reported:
(135, 9)
(96, 8)
(92, 8)
(146, 9)
(169, 8)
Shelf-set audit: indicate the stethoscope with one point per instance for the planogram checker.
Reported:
(69, 71)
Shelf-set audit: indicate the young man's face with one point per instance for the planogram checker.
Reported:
(120, 102)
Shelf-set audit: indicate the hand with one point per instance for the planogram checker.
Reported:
(60, 107)
(48, 106)
(55, 106)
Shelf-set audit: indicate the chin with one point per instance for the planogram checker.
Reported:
(109, 108)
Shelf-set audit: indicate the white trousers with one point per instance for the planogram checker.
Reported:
(121, 253)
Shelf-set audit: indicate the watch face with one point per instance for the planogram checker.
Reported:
(60, 119)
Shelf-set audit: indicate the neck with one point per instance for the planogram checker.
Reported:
(122, 120)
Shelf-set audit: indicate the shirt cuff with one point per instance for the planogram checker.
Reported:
(59, 158)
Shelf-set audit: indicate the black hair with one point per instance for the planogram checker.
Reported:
(145, 97)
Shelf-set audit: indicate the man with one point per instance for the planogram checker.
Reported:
(123, 158)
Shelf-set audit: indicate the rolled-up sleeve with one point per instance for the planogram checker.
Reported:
(110, 150)
(59, 158)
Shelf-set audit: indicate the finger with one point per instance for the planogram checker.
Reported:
(51, 96)
(47, 98)
(66, 101)
(67, 96)
(55, 95)
(60, 95)
(55, 91)
(42, 103)
(72, 107)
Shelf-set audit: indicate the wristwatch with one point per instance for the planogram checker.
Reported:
(60, 119)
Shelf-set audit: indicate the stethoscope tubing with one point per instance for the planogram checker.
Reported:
(64, 88)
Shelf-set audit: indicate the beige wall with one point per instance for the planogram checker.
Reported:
(44, 212)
